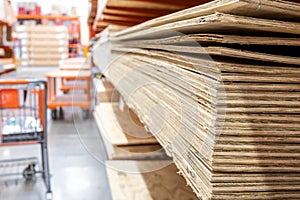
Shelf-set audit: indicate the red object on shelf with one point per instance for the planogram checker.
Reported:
(31, 12)
(38, 10)
(74, 28)
(21, 11)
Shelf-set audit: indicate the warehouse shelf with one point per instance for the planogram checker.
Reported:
(48, 17)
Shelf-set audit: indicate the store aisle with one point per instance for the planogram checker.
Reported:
(76, 163)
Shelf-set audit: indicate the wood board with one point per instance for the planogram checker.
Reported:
(252, 8)
(160, 184)
(216, 38)
(120, 145)
(131, 12)
(122, 128)
(105, 92)
(215, 23)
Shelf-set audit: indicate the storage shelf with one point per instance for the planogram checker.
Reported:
(48, 17)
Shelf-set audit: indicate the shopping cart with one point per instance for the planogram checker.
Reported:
(23, 105)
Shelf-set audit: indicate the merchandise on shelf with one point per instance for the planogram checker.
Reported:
(43, 45)
(71, 23)
(29, 8)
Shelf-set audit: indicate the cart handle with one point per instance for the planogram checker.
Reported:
(18, 81)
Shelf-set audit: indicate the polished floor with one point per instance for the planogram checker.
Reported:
(76, 162)
(76, 154)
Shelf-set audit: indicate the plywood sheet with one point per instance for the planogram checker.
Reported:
(160, 184)
(122, 128)
(252, 8)
(227, 113)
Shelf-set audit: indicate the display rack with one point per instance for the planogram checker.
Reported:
(43, 45)
(72, 22)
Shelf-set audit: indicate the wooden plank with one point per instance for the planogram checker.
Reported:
(105, 91)
(138, 152)
(129, 152)
(118, 22)
(122, 128)
(164, 183)
(136, 19)
(225, 51)
(267, 9)
(215, 23)
(142, 5)
(120, 12)
(217, 38)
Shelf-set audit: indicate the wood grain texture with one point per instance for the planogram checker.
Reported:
(160, 184)
(122, 128)
(225, 105)
(105, 92)
(117, 12)
(267, 9)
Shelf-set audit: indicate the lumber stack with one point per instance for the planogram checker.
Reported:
(93, 12)
(43, 45)
(218, 86)
(120, 14)
(124, 136)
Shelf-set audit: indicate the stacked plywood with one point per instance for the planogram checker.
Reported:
(146, 171)
(43, 45)
(124, 136)
(218, 86)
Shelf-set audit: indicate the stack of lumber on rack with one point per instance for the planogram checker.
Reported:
(93, 12)
(124, 136)
(120, 14)
(43, 45)
(218, 86)
(137, 166)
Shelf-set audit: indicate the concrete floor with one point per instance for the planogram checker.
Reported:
(76, 162)
(76, 158)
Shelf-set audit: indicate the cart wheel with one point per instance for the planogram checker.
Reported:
(49, 196)
(85, 114)
(29, 172)
(61, 113)
(54, 114)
